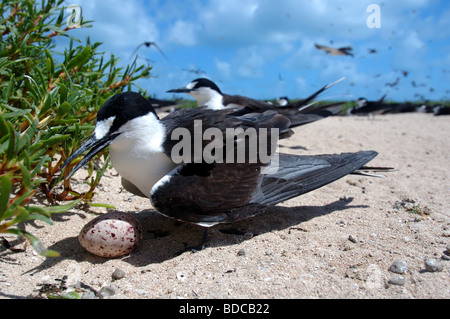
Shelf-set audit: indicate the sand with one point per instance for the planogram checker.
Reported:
(335, 242)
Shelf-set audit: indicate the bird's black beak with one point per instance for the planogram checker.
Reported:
(95, 145)
(180, 90)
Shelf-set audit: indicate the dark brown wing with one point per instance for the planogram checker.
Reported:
(299, 113)
(224, 193)
(251, 105)
(197, 120)
(208, 194)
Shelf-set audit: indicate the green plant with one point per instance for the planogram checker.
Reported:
(47, 108)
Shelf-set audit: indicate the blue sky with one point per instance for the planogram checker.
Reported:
(265, 48)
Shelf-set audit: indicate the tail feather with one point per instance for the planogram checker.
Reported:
(298, 175)
(303, 104)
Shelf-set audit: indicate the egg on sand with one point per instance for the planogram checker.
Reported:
(111, 235)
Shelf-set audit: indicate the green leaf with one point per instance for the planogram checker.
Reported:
(39, 247)
(21, 215)
(48, 211)
(62, 93)
(33, 87)
(8, 91)
(5, 188)
(12, 142)
(15, 206)
(3, 128)
(31, 130)
(16, 114)
(38, 210)
(26, 177)
(40, 217)
(80, 59)
(47, 104)
(35, 243)
(60, 17)
(64, 108)
(63, 208)
(102, 205)
(56, 139)
(50, 63)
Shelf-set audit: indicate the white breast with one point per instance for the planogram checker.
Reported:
(209, 98)
(137, 153)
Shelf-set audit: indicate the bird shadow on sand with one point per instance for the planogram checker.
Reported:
(164, 237)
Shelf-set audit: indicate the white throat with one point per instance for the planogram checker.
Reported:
(137, 153)
(208, 97)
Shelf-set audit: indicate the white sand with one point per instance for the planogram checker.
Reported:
(300, 249)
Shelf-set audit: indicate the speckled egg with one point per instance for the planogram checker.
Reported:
(111, 235)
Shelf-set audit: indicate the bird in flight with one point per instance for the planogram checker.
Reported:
(334, 51)
(196, 71)
(149, 44)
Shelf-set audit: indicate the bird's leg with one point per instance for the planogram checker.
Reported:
(195, 248)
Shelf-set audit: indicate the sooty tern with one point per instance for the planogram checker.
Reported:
(334, 51)
(201, 192)
(441, 110)
(380, 107)
(208, 94)
(149, 44)
(283, 101)
(368, 107)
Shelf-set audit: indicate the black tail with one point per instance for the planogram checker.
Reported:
(311, 115)
(298, 175)
(303, 103)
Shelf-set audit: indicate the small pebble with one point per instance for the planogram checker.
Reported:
(241, 252)
(118, 274)
(398, 267)
(352, 239)
(447, 249)
(107, 291)
(432, 265)
(88, 295)
(398, 281)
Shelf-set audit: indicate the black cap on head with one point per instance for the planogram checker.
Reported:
(196, 84)
(124, 106)
(203, 82)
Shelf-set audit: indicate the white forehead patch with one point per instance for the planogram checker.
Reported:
(191, 85)
(103, 127)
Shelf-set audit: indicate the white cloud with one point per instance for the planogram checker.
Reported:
(224, 69)
(184, 33)
(301, 83)
(409, 53)
(120, 25)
